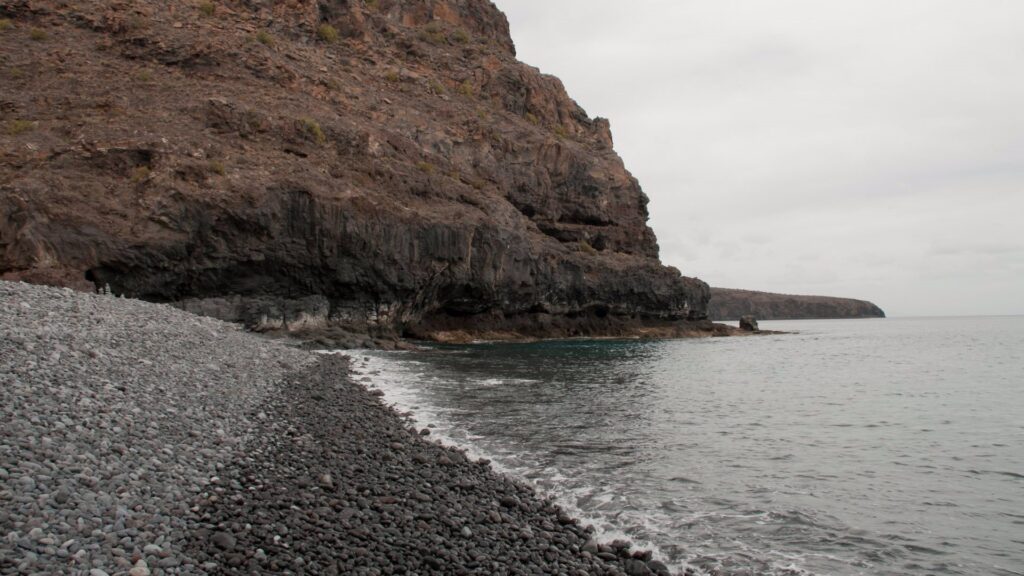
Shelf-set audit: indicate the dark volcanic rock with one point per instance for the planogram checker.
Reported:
(223, 540)
(410, 176)
(731, 304)
(748, 323)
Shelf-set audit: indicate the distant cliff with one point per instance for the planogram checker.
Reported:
(730, 304)
(384, 166)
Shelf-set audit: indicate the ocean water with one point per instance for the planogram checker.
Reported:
(891, 446)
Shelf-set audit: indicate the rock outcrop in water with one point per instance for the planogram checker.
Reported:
(731, 304)
(748, 323)
(383, 166)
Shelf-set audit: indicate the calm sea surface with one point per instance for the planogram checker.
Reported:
(889, 446)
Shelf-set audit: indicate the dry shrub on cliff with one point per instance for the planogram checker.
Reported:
(134, 23)
(217, 167)
(15, 127)
(467, 89)
(476, 183)
(311, 128)
(5, 24)
(264, 37)
(140, 174)
(460, 37)
(432, 34)
(207, 8)
(327, 33)
(425, 167)
(37, 34)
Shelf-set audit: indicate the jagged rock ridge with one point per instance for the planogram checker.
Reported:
(380, 165)
(732, 304)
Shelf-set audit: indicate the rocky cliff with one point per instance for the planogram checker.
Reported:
(731, 304)
(381, 165)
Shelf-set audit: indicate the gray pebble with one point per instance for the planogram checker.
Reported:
(223, 540)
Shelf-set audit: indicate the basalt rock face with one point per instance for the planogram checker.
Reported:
(385, 166)
(731, 304)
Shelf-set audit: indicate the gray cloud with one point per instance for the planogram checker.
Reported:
(871, 149)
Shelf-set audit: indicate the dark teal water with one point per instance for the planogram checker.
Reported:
(854, 447)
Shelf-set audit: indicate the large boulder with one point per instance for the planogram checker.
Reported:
(748, 323)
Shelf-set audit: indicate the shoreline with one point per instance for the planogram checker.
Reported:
(400, 395)
(392, 499)
(343, 340)
(139, 439)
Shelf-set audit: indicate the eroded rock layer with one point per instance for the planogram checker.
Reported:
(385, 166)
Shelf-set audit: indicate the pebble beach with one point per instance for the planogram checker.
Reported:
(139, 439)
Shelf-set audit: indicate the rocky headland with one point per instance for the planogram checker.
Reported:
(137, 439)
(732, 304)
(374, 167)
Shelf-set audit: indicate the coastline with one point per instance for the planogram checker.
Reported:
(144, 440)
(337, 339)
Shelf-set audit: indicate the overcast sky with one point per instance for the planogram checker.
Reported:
(865, 148)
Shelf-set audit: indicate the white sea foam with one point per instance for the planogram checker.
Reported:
(401, 383)
(505, 381)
